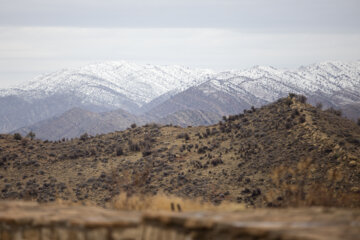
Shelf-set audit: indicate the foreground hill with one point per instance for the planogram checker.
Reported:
(285, 153)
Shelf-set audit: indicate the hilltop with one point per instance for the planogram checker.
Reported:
(286, 153)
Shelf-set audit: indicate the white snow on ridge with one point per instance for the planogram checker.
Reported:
(103, 82)
(112, 82)
(268, 83)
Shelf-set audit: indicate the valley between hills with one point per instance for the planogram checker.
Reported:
(284, 154)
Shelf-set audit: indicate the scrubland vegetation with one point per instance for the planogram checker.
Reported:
(285, 154)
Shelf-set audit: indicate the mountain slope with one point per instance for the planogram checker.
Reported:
(190, 118)
(76, 121)
(287, 153)
(335, 84)
(157, 91)
(98, 87)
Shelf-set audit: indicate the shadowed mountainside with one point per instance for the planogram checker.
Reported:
(76, 122)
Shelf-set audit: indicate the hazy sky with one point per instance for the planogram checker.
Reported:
(39, 36)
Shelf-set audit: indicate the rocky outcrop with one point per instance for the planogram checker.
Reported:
(31, 221)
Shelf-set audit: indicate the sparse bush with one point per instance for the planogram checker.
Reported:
(288, 101)
(133, 125)
(24, 142)
(353, 140)
(302, 119)
(152, 125)
(216, 162)
(208, 132)
(183, 135)
(119, 151)
(84, 137)
(31, 135)
(147, 151)
(202, 150)
(292, 95)
(134, 147)
(295, 113)
(232, 118)
(17, 136)
(301, 98)
(358, 122)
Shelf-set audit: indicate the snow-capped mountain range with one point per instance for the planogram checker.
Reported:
(151, 90)
(113, 84)
(341, 80)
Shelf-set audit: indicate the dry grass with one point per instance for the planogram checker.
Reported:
(297, 187)
(166, 202)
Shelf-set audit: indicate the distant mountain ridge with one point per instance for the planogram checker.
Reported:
(76, 121)
(97, 87)
(150, 92)
(113, 84)
(334, 84)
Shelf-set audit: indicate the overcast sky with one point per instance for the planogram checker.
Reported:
(39, 36)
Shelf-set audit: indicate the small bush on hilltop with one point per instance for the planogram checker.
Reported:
(301, 98)
(31, 135)
(84, 137)
(298, 97)
(17, 136)
(292, 95)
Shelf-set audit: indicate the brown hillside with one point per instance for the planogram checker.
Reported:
(284, 154)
